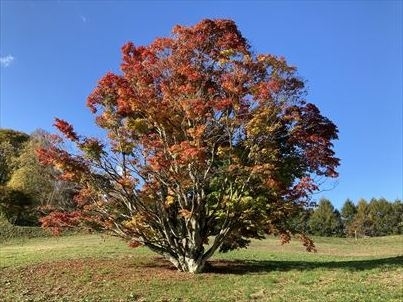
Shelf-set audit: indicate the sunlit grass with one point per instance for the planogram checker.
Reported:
(21, 252)
(96, 268)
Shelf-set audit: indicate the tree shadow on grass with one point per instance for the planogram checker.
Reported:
(240, 267)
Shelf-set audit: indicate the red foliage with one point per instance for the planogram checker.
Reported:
(58, 221)
(313, 133)
(71, 168)
(65, 128)
(197, 127)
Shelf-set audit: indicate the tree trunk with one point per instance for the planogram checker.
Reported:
(193, 261)
(190, 265)
(190, 259)
(188, 253)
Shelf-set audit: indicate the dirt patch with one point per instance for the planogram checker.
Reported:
(100, 277)
(98, 269)
(65, 275)
(75, 278)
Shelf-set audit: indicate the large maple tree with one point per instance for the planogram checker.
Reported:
(207, 145)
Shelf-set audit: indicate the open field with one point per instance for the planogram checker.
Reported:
(96, 268)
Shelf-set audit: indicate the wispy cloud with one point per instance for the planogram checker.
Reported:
(83, 18)
(6, 60)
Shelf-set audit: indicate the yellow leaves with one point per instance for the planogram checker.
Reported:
(19, 179)
(222, 61)
(261, 58)
(185, 213)
(246, 200)
(139, 125)
(227, 52)
(58, 165)
(92, 148)
(137, 222)
(170, 200)
(225, 55)
(265, 121)
(221, 151)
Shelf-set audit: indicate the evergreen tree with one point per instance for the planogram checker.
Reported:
(381, 214)
(362, 223)
(397, 218)
(325, 220)
(299, 222)
(348, 212)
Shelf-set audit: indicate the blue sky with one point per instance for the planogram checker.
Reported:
(349, 52)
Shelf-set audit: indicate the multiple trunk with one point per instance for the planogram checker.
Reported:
(190, 265)
(188, 254)
(194, 257)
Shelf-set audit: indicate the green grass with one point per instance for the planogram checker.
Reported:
(22, 252)
(96, 268)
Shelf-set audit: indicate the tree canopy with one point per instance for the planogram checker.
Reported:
(11, 143)
(28, 188)
(207, 145)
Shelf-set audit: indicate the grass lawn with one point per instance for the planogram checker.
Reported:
(96, 268)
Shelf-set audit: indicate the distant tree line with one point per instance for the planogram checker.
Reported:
(377, 217)
(29, 191)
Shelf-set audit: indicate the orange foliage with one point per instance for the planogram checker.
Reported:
(197, 126)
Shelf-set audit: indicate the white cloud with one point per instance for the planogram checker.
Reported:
(83, 18)
(6, 61)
